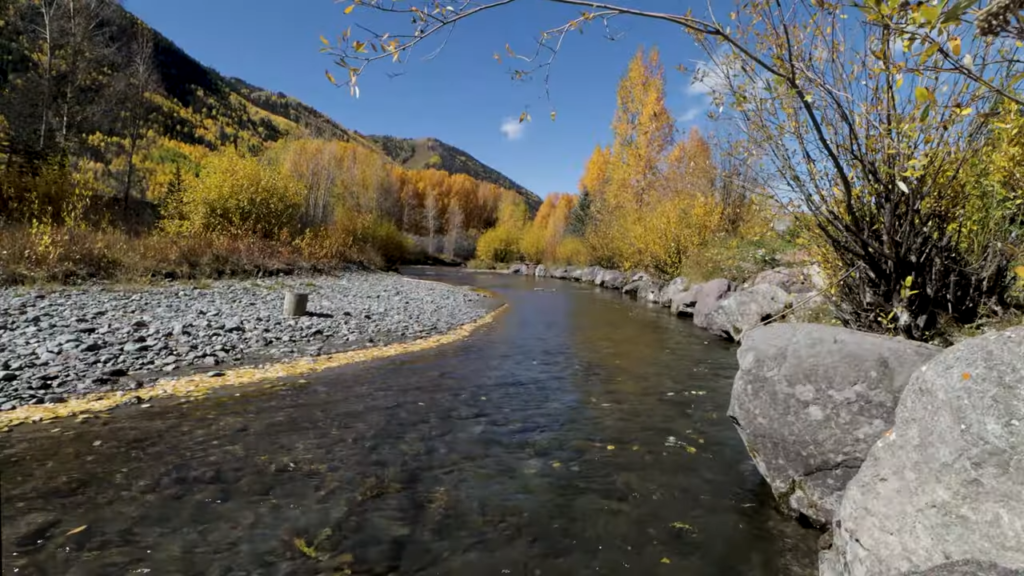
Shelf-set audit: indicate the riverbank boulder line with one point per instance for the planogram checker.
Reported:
(909, 456)
(947, 483)
(73, 341)
(810, 400)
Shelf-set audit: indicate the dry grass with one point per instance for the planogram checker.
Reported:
(69, 256)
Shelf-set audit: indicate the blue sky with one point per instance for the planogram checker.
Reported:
(462, 96)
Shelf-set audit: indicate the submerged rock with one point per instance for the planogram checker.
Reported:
(947, 483)
(810, 400)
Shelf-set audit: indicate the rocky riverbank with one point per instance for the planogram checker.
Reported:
(71, 341)
(909, 457)
(720, 306)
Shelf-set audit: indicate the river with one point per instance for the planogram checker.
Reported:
(579, 433)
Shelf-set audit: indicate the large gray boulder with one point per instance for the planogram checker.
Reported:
(673, 289)
(644, 290)
(708, 296)
(590, 274)
(829, 566)
(576, 273)
(947, 482)
(612, 279)
(967, 568)
(559, 273)
(743, 310)
(541, 271)
(810, 400)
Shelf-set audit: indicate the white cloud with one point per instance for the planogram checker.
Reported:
(512, 129)
(691, 114)
(711, 76)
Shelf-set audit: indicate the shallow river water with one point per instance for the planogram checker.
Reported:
(579, 433)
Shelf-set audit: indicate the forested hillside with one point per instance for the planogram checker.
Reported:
(420, 153)
(98, 110)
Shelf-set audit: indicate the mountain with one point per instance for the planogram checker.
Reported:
(196, 106)
(179, 72)
(421, 153)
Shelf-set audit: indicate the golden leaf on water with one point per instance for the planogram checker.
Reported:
(77, 530)
(350, 9)
(610, 447)
(666, 561)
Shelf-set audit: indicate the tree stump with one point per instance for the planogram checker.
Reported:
(295, 303)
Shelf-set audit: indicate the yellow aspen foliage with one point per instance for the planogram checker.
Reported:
(240, 196)
(595, 174)
(503, 243)
(643, 131)
(542, 237)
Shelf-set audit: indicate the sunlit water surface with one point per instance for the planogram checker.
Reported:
(580, 433)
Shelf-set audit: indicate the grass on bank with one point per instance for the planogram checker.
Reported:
(66, 255)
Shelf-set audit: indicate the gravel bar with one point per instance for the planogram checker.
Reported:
(68, 341)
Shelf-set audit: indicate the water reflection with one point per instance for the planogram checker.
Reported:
(536, 447)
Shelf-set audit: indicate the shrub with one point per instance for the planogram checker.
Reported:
(572, 250)
(362, 239)
(236, 195)
(500, 244)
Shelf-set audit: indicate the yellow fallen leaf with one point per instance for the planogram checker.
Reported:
(966, 376)
(635, 448)
(610, 447)
(556, 464)
(666, 561)
(77, 530)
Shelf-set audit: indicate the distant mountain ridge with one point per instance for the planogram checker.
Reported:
(425, 153)
(181, 75)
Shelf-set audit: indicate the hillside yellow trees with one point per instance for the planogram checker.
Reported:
(655, 197)
(649, 200)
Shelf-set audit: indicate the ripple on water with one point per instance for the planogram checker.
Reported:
(538, 446)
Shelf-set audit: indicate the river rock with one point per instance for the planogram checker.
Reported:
(947, 482)
(611, 279)
(189, 328)
(967, 568)
(541, 271)
(743, 310)
(810, 400)
(644, 290)
(559, 273)
(708, 296)
(521, 269)
(590, 274)
(673, 289)
(576, 273)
